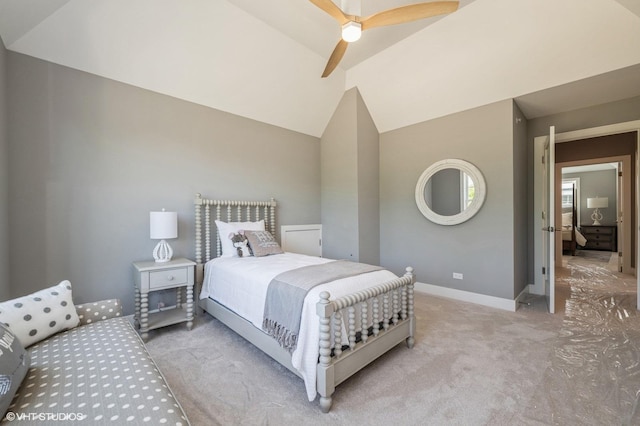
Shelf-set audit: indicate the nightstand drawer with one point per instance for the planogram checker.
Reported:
(599, 237)
(601, 231)
(168, 277)
(599, 245)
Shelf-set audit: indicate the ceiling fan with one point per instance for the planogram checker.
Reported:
(353, 25)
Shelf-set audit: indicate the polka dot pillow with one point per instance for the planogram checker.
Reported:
(98, 311)
(39, 315)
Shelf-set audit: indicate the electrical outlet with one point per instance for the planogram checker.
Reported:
(458, 276)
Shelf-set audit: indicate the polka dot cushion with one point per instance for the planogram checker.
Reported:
(98, 311)
(39, 315)
(100, 373)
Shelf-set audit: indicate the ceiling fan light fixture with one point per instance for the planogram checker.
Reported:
(351, 31)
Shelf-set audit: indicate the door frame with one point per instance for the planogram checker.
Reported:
(630, 126)
(627, 200)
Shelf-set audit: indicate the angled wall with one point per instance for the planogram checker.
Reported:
(350, 183)
(368, 185)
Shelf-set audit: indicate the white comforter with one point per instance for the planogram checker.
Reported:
(241, 285)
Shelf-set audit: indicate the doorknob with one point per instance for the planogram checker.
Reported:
(548, 229)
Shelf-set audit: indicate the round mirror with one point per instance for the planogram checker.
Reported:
(450, 192)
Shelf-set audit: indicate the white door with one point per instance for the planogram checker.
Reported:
(548, 219)
(620, 215)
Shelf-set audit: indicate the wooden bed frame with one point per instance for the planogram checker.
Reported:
(571, 245)
(390, 303)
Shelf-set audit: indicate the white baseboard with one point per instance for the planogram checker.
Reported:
(467, 296)
(525, 291)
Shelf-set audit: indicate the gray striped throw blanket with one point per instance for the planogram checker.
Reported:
(286, 293)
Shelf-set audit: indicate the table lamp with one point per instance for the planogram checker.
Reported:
(163, 226)
(597, 203)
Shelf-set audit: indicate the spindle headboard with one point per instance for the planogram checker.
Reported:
(227, 211)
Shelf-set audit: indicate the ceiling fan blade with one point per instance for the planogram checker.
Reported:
(333, 10)
(408, 13)
(335, 58)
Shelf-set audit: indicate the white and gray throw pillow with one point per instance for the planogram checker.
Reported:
(41, 314)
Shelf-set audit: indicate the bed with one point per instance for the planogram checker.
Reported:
(571, 235)
(344, 323)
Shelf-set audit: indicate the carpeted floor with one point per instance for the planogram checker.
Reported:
(471, 365)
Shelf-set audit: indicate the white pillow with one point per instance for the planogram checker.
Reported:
(41, 314)
(225, 229)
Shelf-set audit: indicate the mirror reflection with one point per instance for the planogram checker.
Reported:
(449, 191)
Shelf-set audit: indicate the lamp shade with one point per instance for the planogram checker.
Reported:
(597, 203)
(163, 225)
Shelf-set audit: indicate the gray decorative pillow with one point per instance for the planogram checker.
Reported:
(39, 315)
(14, 364)
(262, 243)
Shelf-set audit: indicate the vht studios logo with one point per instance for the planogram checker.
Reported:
(45, 417)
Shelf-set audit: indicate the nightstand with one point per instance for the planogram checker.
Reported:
(151, 276)
(600, 237)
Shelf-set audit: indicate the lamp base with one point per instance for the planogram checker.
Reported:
(162, 252)
(596, 216)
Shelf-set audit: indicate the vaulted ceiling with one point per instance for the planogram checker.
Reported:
(263, 59)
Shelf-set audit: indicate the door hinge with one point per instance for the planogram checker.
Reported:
(544, 271)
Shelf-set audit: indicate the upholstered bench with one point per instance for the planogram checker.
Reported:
(97, 371)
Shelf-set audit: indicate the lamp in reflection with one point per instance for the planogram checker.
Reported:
(597, 203)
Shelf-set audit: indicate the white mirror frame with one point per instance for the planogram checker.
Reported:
(466, 214)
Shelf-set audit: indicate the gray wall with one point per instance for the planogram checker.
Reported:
(584, 118)
(600, 183)
(368, 185)
(5, 289)
(481, 248)
(339, 182)
(350, 183)
(90, 157)
(521, 207)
